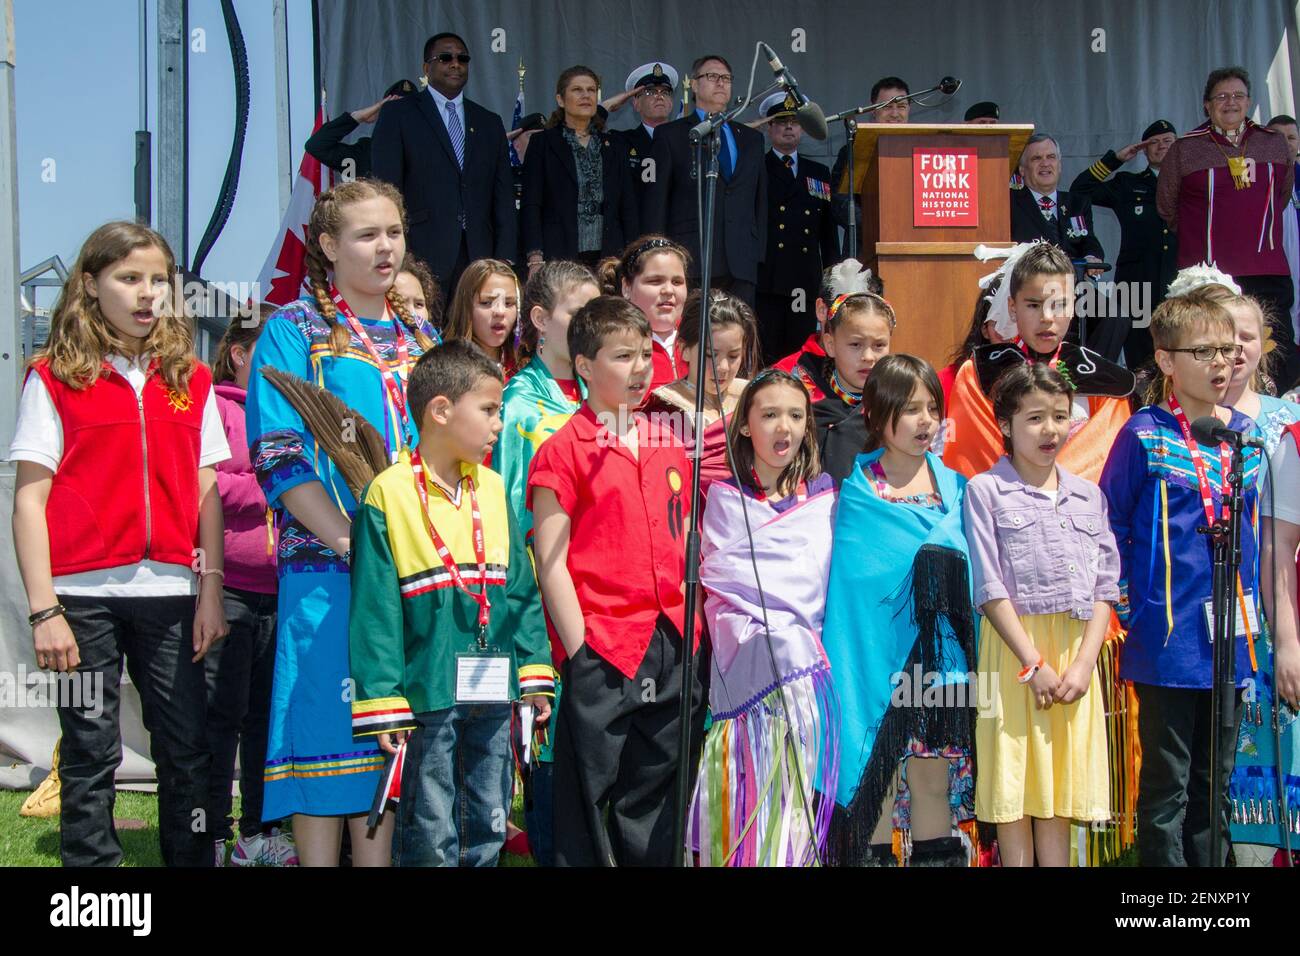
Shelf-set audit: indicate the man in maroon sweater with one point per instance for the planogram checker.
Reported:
(1224, 189)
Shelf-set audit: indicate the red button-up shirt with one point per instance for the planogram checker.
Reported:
(627, 539)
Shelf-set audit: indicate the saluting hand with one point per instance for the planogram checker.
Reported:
(1128, 152)
(371, 113)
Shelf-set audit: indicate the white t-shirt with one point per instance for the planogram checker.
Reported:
(39, 438)
(1285, 475)
(667, 341)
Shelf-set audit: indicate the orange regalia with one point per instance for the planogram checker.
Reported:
(973, 441)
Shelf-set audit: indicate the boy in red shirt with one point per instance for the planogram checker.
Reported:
(610, 499)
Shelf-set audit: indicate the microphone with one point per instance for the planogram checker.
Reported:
(1208, 430)
(811, 117)
(948, 86)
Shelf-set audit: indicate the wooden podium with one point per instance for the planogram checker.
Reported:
(930, 275)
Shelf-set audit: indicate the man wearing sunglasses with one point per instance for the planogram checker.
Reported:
(740, 207)
(447, 155)
(1224, 188)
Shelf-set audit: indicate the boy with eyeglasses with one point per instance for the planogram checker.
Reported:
(1224, 188)
(1162, 486)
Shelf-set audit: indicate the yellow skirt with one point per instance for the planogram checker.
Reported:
(1031, 762)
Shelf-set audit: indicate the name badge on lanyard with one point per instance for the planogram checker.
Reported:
(482, 678)
(1247, 618)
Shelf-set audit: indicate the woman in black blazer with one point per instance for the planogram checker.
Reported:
(578, 200)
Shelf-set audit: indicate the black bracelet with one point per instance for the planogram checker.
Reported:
(45, 615)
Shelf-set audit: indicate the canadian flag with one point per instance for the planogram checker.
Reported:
(281, 278)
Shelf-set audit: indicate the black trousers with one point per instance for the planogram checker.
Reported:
(154, 636)
(1173, 805)
(781, 329)
(616, 746)
(453, 277)
(1277, 296)
(239, 669)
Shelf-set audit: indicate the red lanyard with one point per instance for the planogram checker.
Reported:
(1202, 478)
(1019, 343)
(480, 550)
(801, 492)
(396, 389)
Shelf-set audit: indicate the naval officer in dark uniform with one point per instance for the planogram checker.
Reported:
(652, 88)
(801, 234)
(1148, 251)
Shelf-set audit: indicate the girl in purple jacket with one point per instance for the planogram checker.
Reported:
(240, 668)
(1046, 570)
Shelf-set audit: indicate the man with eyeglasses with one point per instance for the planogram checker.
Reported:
(740, 206)
(1224, 188)
(651, 88)
(447, 155)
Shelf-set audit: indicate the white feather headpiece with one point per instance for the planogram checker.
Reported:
(999, 314)
(850, 278)
(1201, 274)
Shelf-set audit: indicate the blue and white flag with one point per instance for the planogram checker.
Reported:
(514, 124)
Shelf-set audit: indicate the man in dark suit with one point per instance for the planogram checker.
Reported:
(447, 155)
(802, 238)
(1039, 210)
(1148, 251)
(740, 206)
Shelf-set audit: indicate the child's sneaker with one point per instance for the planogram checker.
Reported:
(274, 849)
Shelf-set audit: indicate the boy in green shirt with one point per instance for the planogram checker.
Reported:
(446, 627)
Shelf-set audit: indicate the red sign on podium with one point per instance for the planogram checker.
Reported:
(945, 186)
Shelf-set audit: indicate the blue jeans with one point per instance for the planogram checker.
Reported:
(455, 788)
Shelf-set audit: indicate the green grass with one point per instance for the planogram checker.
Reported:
(31, 842)
(26, 841)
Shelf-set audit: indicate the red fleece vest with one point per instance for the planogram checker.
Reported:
(127, 488)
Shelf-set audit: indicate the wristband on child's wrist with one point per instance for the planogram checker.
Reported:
(49, 613)
(1027, 674)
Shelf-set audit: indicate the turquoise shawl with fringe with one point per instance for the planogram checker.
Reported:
(899, 595)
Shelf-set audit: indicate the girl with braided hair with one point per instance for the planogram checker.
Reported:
(353, 335)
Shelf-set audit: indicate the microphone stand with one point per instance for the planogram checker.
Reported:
(706, 140)
(851, 132)
(1226, 537)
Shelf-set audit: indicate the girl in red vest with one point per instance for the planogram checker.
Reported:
(118, 530)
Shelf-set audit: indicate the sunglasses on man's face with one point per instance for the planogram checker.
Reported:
(461, 58)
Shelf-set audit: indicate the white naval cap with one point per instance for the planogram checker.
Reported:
(780, 103)
(654, 72)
